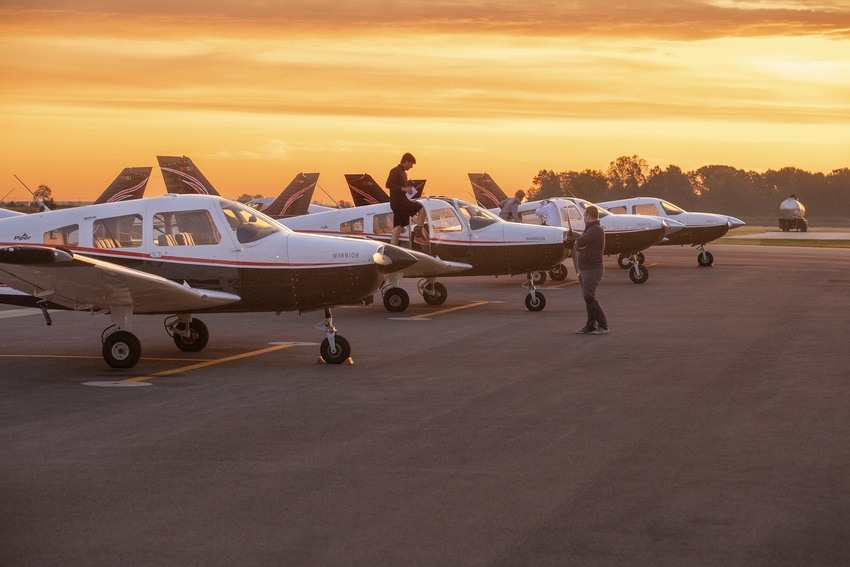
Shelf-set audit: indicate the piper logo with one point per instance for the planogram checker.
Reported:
(23, 237)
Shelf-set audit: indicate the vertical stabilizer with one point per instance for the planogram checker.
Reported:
(182, 177)
(364, 190)
(295, 199)
(130, 184)
(486, 191)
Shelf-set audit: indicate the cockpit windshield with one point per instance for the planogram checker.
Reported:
(248, 224)
(582, 204)
(476, 216)
(670, 208)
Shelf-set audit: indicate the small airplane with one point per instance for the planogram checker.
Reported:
(180, 255)
(466, 240)
(625, 235)
(129, 184)
(699, 228)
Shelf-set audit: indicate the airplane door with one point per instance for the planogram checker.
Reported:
(450, 235)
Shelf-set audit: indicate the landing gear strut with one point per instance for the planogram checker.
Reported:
(433, 292)
(335, 348)
(634, 264)
(704, 258)
(534, 301)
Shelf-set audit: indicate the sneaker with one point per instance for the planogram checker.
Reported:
(585, 330)
(421, 240)
(600, 331)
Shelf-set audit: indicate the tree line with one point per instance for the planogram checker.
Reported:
(711, 188)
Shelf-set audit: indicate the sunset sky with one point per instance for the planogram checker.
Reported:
(256, 91)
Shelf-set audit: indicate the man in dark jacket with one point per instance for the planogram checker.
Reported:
(589, 248)
(403, 208)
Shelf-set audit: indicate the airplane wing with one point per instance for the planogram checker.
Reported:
(81, 283)
(431, 266)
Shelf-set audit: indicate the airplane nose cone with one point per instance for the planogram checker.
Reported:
(671, 226)
(393, 259)
(735, 223)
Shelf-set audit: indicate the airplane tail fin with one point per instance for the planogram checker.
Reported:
(295, 199)
(130, 184)
(486, 191)
(183, 177)
(364, 190)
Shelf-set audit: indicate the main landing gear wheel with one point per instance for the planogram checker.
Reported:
(624, 261)
(558, 273)
(122, 349)
(638, 273)
(435, 293)
(340, 352)
(538, 277)
(535, 301)
(396, 299)
(705, 259)
(197, 338)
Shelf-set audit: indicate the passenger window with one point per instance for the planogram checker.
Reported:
(118, 232)
(67, 236)
(619, 210)
(184, 228)
(571, 213)
(647, 209)
(355, 225)
(528, 217)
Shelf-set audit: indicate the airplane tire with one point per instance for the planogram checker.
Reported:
(340, 353)
(644, 275)
(122, 349)
(535, 302)
(396, 299)
(538, 277)
(437, 295)
(705, 259)
(197, 339)
(641, 258)
(624, 261)
(558, 273)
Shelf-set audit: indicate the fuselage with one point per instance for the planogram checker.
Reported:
(459, 231)
(211, 243)
(624, 234)
(699, 228)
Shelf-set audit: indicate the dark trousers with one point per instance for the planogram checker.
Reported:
(589, 282)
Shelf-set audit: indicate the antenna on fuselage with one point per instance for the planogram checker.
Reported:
(329, 196)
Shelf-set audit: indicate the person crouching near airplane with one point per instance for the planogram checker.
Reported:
(589, 248)
(509, 208)
(403, 208)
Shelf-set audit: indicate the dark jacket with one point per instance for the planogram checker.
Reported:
(590, 247)
(396, 182)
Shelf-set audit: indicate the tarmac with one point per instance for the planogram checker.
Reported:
(709, 427)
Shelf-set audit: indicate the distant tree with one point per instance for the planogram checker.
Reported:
(671, 184)
(588, 184)
(626, 175)
(245, 197)
(546, 184)
(43, 195)
(343, 204)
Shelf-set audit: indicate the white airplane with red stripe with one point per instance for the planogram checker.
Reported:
(179, 255)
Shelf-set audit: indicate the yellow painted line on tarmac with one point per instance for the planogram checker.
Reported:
(208, 363)
(448, 310)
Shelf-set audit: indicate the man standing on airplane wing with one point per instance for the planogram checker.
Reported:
(403, 208)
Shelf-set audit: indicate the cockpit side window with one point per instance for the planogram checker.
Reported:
(248, 224)
(118, 232)
(646, 209)
(445, 219)
(184, 228)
